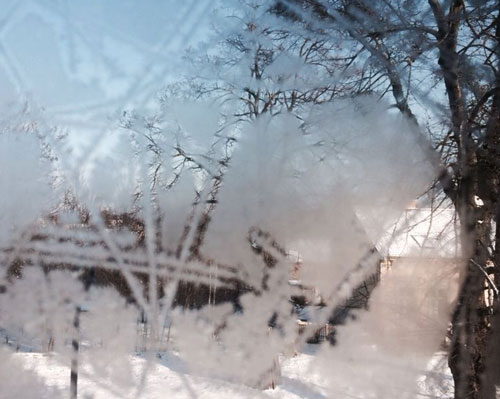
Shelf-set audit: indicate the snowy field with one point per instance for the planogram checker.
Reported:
(169, 377)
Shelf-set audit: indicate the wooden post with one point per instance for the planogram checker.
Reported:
(74, 361)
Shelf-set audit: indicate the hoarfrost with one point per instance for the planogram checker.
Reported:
(177, 233)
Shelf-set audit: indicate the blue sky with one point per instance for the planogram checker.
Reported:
(80, 56)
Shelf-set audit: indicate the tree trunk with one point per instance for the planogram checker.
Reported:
(472, 317)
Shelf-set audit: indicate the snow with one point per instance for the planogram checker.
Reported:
(170, 377)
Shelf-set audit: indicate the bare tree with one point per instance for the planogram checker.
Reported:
(456, 45)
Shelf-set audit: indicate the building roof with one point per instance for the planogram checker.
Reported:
(422, 232)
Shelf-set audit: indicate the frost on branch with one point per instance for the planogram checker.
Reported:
(204, 257)
(26, 174)
(178, 240)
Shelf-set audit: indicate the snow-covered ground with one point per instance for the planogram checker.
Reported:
(168, 376)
